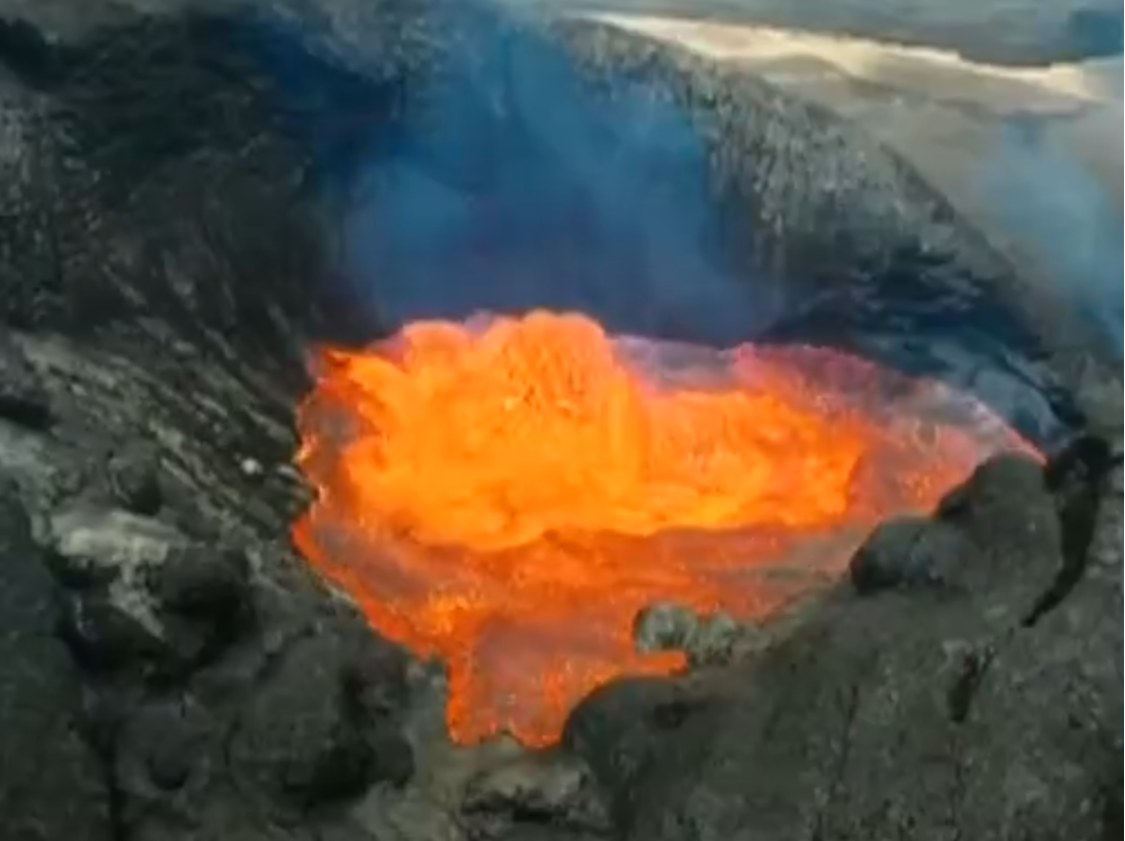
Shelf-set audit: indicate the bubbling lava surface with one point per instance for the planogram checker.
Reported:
(507, 493)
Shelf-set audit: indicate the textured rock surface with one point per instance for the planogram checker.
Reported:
(52, 785)
(172, 672)
(986, 711)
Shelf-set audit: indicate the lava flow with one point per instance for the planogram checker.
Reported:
(506, 494)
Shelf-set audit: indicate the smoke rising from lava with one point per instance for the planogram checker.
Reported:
(1046, 199)
(512, 186)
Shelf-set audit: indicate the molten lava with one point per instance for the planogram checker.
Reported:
(507, 494)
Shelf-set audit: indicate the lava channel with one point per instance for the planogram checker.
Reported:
(506, 494)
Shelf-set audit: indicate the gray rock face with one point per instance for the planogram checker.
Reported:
(52, 785)
(178, 675)
(986, 710)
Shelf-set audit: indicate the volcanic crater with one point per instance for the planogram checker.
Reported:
(605, 387)
(528, 336)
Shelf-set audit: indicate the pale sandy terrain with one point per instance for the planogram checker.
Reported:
(1016, 32)
(994, 139)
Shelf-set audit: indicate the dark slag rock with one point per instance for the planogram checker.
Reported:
(307, 738)
(51, 783)
(105, 637)
(210, 584)
(23, 400)
(134, 478)
(1007, 511)
(911, 553)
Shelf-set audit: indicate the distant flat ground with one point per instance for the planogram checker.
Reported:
(1023, 32)
(1019, 32)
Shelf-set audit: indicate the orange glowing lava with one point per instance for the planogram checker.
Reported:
(507, 494)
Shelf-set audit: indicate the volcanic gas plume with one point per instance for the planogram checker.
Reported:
(507, 493)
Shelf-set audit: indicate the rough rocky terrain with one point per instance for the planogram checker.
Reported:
(170, 670)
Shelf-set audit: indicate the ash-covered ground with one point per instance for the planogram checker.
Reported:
(172, 671)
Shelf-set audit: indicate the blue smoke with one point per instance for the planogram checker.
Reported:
(1050, 204)
(512, 185)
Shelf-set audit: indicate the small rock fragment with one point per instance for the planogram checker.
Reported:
(114, 540)
(23, 399)
(973, 664)
(134, 479)
(204, 583)
(251, 468)
(712, 642)
(93, 544)
(663, 627)
(555, 789)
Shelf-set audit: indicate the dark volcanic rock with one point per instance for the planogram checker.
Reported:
(308, 737)
(23, 399)
(912, 553)
(104, 635)
(1009, 514)
(51, 783)
(894, 717)
(204, 583)
(134, 478)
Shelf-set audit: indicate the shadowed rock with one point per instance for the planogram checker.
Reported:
(51, 783)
